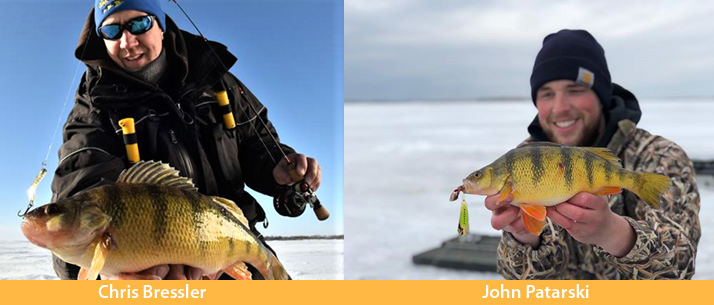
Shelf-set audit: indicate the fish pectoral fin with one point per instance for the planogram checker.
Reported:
(532, 225)
(101, 250)
(505, 191)
(533, 210)
(239, 271)
(609, 190)
(83, 272)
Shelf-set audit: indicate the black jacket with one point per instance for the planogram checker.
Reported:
(178, 121)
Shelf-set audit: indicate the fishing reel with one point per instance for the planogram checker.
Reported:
(291, 201)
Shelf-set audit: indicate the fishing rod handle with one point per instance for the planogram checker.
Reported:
(320, 211)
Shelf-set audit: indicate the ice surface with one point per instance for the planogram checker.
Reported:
(402, 160)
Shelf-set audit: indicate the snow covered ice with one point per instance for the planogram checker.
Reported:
(402, 160)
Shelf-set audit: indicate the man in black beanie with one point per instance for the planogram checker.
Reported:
(593, 237)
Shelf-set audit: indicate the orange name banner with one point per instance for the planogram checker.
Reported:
(356, 292)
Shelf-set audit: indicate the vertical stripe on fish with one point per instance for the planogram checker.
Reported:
(589, 167)
(536, 164)
(568, 167)
(160, 209)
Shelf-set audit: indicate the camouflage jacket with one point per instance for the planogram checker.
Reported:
(666, 238)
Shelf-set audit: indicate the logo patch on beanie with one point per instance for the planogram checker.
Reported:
(106, 5)
(585, 77)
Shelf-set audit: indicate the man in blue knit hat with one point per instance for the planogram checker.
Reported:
(140, 65)
(594, 237)
(143, 43)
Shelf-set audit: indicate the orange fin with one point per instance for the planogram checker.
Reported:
(609, 190)
(505, 191)
(100, 255)
(82, 273)
(533, 226)
(535, 211)
(239, 271)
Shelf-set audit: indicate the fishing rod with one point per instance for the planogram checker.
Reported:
(290, 200)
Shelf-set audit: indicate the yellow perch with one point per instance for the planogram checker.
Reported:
(544, 174)
(151, 216)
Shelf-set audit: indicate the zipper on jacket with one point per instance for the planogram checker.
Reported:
(186, 163)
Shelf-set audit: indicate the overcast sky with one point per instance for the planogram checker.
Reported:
(455, 49)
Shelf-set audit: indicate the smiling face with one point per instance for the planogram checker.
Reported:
(569, 113)
(133, 52)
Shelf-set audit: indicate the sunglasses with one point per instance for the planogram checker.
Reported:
(135, 26)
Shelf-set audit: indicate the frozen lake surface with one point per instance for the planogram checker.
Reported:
(311, 259)
(403, 159)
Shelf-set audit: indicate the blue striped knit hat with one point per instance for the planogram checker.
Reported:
(104, 8)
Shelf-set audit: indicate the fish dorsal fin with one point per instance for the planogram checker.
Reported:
(232, 207)
(601, 152)
(604, 153)
(153, 172)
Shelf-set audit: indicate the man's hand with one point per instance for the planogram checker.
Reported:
(589, 220)
(165, 272)
(304, 166)
(505, 217)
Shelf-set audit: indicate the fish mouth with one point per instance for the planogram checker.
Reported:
(469, 187)
(456, 192)
(30, 231)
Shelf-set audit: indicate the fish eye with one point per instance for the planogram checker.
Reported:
(477, 174)
(52, 209)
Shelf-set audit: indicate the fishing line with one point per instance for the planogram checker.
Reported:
(32, 190)
(220, 62)
(299, 193)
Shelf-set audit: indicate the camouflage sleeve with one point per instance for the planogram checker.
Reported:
(548, 261)
(666, 238)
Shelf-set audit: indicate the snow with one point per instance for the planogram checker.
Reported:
(318, 259)
(402, 160)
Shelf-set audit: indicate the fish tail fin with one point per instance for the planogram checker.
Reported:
(275, 270)
(651, 187)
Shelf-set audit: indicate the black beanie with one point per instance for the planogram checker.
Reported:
(573, 55)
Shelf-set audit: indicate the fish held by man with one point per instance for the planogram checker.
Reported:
(544, 174)
(150, 216)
